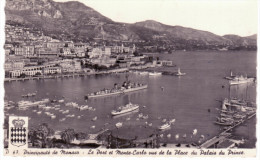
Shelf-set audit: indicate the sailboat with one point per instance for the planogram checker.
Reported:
(231, 76)
(179, 73)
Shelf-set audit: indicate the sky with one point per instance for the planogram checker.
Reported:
(218, 16)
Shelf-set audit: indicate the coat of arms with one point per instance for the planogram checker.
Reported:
(18, 131)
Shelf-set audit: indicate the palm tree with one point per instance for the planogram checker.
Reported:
(68, 135)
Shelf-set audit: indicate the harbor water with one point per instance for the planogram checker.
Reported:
(191, 99)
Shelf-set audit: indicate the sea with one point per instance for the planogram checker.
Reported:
(192, 100)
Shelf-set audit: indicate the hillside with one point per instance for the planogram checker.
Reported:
(77, 22)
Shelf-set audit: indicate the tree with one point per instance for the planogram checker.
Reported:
(39, 136)
(68, 135)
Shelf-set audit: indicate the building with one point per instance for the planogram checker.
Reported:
(123, 49)
(103, 61)
(19, 50)
(52, 70)
(70, 66)
(28, 51)
(13, 65)
(30, 71)
(55, 45)
(99, 52)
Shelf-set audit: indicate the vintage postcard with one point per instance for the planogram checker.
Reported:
(149, 78)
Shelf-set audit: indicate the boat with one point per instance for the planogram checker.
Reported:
(179, 73)
(119, 124)
(83, 107)
(240, 80)
(165, 126)
(124, 109)
(230, 77)
(155, 73)
(126, 87)
(143, 73)
(172, 121)
(29, 95)
(125, 114)
(94, 119)
(224, 121)
(61, 100)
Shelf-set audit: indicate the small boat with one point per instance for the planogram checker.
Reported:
(61, 100)
(65, 112)
(39, 112)
(140, 115)
(164, 120)
(169, 135)
(119, 124)
(145, 117)
(70, 115)
(53, 116)
(179, 73)
(94, 119)
(83, 107)
(224, 123)
(143, 73)
(62, 119)
(29, 95)
(195, 131)
(155, 73)
(172, 121)
(165, 126)
(230, 77)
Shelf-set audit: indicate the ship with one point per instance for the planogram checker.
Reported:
(240, 80)
(179, 73)
(125, 109)
(126, 87)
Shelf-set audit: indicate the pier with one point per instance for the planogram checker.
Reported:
(223, 135)
(66, 75)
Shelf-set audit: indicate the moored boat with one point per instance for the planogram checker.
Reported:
(119, 124)
(230, 77)
(126, 87)
(240, 80)
(155, 73)
(179, 73)
(165, 126)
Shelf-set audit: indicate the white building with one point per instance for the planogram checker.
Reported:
(52, 70)
(98, 52)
